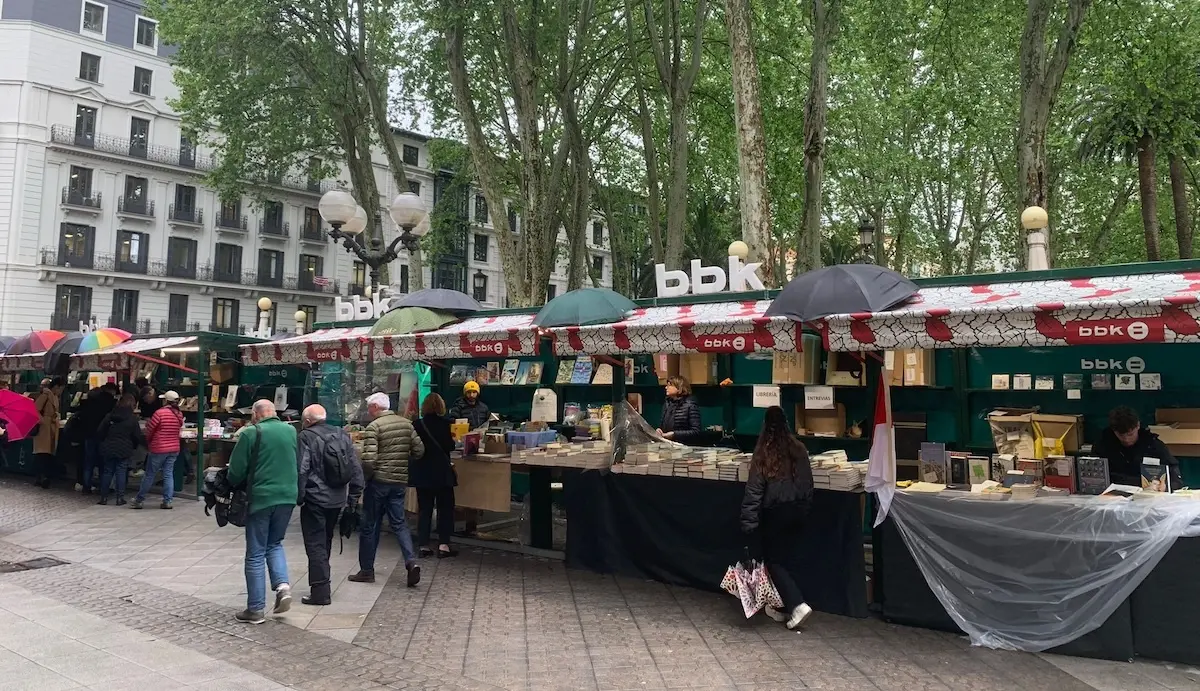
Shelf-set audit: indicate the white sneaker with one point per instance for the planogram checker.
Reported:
(283, 598)
(776, 614)
(799, 615)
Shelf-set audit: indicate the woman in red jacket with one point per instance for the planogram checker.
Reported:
(162, 441)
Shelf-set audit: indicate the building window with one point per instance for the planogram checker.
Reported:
(404, 278)
(185, 203)
(147, 33)
(225, 314)
(479, 286)
(228, 264)
(136, 194)
(187, 152)
(270, 268)
(89, 67)
(310, 270)
(597, 233)
(85, 126)
(314, 174)
(512, 219)
(598, 266)
(312, 224)
(177, 310)
(310, 317)
(414, 186)
(481, 210)
(231, 214)
(94, 17)
(124, 310)
(139, 137)
(72, 305)
(410, 155)
(142, 80)
(76, 245)
(181, 258)
(273, 217)
(358, 278)
(131, 251)
(481, 247)
(79, 186)
(551, 291)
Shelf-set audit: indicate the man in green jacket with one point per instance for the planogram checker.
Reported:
(389, 443)
(264, 458)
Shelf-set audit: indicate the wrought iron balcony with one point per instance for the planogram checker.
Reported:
(232, 222)
(69, 321)
(135, 206)
(176, 325)
(130, 267)
(357, 289)
(267, 281)
(175, 269)
(121, 146)
(274, 226)
(99, 261)
(133, 326)
(221, 275)
(234, 329)
(84, 199)
(185, 216)
(312, 232)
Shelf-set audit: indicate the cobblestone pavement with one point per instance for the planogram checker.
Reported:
(485, 620)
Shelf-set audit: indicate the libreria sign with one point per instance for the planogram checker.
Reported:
(705, 280)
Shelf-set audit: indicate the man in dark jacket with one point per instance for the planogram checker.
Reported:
(470, 407)
(322, 498)
(118, 434)
(1126, 444)
(99, 403)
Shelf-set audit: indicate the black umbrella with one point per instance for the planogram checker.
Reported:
(58, 356)
(440, 300)
(841, 289)
(5, 342)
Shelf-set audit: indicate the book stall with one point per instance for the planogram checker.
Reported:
(1013, 531)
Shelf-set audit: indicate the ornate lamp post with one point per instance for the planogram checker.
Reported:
(349, 219)
(1035, 221)
(301, 318)
(866, 241)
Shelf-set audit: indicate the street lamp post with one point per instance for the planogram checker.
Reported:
(866, 241)
(349, 219)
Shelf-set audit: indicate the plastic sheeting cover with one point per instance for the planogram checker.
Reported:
(1032, 575)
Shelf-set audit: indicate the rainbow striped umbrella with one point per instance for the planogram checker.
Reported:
(102, 338)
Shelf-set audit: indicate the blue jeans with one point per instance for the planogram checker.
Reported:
(114, 469)
(265, 530)
(154, 463)
(382, 498)
(91, 462)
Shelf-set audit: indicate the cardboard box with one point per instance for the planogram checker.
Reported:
(845, 369)
(1057, 434)
(666, 366)
(821, 422)
(1012, 432)
(698, 368)
(796, 368)
(495, 443)
(222, 373)
(911, 367)
(1179, 429)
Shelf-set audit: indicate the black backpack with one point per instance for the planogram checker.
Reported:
(338, 461)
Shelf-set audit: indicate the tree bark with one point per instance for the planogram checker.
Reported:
(808, 256)
(754, 205)
(1183, 215)
(1148, 193)
(1100, 240)
(1041, 76)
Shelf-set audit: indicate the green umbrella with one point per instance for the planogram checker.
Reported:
(407, 320)
(584, 306)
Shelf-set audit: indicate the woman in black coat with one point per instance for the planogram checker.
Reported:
(433, 476)
(681, 415)
(774, 509)
(118, 435)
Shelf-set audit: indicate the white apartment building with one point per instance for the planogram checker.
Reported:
(103, 211)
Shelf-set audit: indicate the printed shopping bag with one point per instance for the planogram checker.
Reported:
(765, 592)
(743, 583)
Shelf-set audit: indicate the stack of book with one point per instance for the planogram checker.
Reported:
(1024, 491)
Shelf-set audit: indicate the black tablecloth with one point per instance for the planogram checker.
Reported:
(684, 531)
(1166, 604)
(908, 600)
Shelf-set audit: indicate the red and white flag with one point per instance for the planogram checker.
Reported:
(881, 470)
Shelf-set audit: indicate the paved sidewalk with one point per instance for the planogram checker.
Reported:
(150, 596)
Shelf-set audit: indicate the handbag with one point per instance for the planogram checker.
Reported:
(239, 501)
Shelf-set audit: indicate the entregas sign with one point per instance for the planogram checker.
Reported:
(705, 280)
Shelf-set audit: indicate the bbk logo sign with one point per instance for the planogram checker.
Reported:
(1115, 331)
(1134, 365)
(707, 279)
(487, 348)
(723, 344)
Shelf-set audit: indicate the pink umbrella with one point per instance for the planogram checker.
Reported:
(18, 415)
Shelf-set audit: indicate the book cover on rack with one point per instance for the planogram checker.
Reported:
(1155, 477)
(935, 465)
(508, 376)
(534, 375)
(493, 369)
(461, 374)
(522, 373)
(1101, 382)
(482, 376)
(629, 370)
(565, 369)
(582, 374)
(604, 374)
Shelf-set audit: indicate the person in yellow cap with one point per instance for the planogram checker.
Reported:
(470, 407)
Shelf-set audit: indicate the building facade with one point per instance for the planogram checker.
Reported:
(104, 217)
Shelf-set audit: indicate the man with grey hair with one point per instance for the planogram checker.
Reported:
(264, 461)
(389, 443)
(329, 473)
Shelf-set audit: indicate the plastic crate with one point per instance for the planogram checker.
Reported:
(529, 440)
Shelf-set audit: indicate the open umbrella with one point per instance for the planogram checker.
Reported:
(5, 342)
(34, 342)
(841, 289)
(407, 320)
(102, 338)
(18, 414)
(440, 300)
(584, 306)
(58, 355)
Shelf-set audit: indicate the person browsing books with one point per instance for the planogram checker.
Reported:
(681, 415)
(1127, 445)
(470, 407)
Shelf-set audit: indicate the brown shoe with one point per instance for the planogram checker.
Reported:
(362, 577)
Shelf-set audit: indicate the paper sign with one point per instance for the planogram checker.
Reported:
(1150, 381)
(216, 395)
(280, 398)
(1022, 382)
(766, 396)
(545, 406)
(818, 398)
(231, 397)
(889, 360)
(1073, 394)
(1126, 382)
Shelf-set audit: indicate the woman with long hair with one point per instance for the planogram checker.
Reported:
(432, 475)
(681, 415)
(774, 509)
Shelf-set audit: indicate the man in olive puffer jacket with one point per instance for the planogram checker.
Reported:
(389, 443)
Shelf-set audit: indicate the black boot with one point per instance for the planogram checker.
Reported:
(318, 595)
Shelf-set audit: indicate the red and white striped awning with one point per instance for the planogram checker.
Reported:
(20, 363)
(322, 345)
(715, 327)
(510, 335)
(122, 356)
